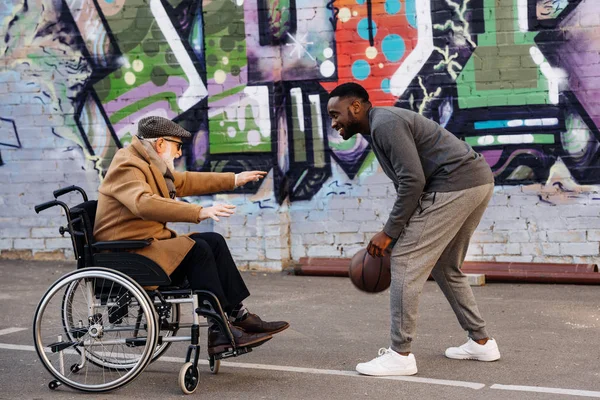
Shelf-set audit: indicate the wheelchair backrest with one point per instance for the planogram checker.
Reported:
(82, 217)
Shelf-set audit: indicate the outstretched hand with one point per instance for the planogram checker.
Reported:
(248, 176)
(216, 211)
(379, 244)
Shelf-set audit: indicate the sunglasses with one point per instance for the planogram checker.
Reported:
(179, 144)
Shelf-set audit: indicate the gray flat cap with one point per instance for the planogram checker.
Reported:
(155, 127)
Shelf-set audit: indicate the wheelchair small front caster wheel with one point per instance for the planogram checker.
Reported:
(53, 385)
(188, 378)
(214, 365)
(75, 368)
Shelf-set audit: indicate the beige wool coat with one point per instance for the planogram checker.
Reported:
(134, 204)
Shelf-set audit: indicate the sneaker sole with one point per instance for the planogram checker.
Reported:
(494, 357)
(224, 347)
(407, 372)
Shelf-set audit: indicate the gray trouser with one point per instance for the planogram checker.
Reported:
(435, 242)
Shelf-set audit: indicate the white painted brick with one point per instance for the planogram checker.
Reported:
(300, 215)
(53, 244)
(582, 223)
(359, 216)
(494, 248)
(551, 249)
(245, 231)
(593, 235)
(513, 248)
(510, 225)
(480, 258)
(523, 200)
(309, 227)
(490, 237)
(323, 251)
(581, 211)
(318, 238)
(339, 226)
(533, 249)
(378, 191)
(296, 240)
(37, 244)
(6, 244)
(579, 249)
(15, 232)
(585, 260)
(518, 236)
(45, 233)
(566, 236)
(370, 226)
(552, 259)
(254, 243)
(275, 230)
(349, 238)
(517, 259)
(21, 177)
(275, 253)
(344, 204)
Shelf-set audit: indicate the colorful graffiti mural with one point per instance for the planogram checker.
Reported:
(514, 78)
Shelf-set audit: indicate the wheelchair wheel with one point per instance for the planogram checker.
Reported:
(92, 324)
(189, 377)
(214, 365)
(117, 314)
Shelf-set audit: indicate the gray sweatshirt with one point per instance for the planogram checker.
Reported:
(418, 155)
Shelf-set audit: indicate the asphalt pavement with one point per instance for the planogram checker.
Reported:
(549, 337)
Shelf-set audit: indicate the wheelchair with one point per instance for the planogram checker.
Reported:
(98, 327)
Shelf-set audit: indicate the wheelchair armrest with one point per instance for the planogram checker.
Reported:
(121, 245)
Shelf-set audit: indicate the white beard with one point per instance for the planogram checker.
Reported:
(170, 161)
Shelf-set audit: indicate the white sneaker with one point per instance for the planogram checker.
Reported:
(389, 363)
(475, 351)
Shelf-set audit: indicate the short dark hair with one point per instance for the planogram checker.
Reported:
(350, 89)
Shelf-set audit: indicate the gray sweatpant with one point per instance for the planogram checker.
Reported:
(435, 241)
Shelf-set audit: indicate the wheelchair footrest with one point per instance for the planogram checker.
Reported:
(233, 353)
(60, 346)
(135, 342)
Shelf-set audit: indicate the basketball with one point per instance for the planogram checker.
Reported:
(370, 274)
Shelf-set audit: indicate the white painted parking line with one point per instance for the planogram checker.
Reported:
(470, 385)
(179, 360)
(352, 374)
(11, 330)
(572, 392)
(21, 347)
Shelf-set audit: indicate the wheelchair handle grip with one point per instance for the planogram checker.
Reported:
(48, 204)
(68, 189)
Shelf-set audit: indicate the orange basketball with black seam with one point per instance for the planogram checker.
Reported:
(370, 274)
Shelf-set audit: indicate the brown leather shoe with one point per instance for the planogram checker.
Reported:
(218, 342)
(253, 324)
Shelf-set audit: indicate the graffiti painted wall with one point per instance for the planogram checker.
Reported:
(517, 79)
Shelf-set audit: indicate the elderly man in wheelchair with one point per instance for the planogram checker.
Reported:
(120, 309)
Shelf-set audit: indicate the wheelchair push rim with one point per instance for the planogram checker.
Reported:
(86, 346)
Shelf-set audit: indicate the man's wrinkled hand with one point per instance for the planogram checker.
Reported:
(248, 176)
(379, 244)
(216, 211)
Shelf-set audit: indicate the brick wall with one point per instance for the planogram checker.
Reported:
(518, 80)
